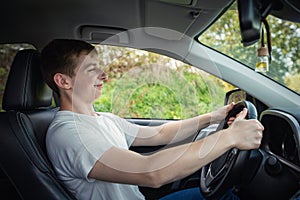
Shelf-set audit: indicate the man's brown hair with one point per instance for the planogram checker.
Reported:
(60, 56)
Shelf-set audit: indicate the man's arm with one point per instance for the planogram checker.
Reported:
(170, 132)
(176, 131)
(125, 166)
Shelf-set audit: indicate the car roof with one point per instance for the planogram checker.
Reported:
(37, 22)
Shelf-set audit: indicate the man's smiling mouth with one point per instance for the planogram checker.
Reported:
(99, 86)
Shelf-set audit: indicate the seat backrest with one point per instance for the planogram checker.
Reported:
(23, 126)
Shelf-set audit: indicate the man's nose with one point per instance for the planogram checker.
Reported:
(103, 76)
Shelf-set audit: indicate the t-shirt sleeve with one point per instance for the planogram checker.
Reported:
(130, 130)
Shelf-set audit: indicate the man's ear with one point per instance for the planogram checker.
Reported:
(62, 81)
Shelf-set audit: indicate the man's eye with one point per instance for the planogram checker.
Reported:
(92, 69)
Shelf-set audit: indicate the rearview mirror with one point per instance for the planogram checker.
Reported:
(251, 15)
(250, 21)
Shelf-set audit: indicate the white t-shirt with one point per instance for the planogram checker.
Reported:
(75, 142)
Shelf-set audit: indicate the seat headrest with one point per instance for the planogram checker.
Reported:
(25, 88)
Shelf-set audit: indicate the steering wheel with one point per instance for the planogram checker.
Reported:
(224, 172)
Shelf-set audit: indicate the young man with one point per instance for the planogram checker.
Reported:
(90, 150)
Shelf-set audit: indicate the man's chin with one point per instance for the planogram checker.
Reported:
(98, 95)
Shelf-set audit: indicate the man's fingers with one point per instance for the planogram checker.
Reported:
(230, 107)
(242, 114)
(261, 127)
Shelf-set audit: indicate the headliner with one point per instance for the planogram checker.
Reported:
(37, 22)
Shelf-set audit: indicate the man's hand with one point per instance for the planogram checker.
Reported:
(242, 114)
(246, 134)
(218, 115)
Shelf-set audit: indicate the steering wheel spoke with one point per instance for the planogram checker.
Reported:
(212, 179)
(222, 173)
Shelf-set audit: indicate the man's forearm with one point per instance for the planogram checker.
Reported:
(178, 162)
(165, 166)
(171, 132)
(179, 130)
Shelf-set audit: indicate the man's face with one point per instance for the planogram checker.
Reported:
(88, 79)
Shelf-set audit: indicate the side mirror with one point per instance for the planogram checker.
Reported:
(235, 95)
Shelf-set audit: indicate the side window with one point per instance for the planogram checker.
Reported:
(142, 84)
(7, 54)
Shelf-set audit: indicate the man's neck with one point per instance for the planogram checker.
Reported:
(77, 106)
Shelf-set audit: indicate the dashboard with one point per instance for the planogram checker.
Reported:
(276, 164)
(282, 137)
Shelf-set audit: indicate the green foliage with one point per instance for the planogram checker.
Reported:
(148, 85)
(293, 81)
(225, 36)
(154, 100)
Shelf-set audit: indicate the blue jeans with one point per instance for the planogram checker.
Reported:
(194, 194)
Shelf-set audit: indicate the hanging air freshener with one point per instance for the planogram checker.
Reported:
(262, 64)
(264, 53)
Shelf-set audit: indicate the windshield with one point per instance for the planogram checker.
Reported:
(224, 36)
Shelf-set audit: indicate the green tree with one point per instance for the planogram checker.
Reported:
(147, 85)
(293, 81)
(225, 36)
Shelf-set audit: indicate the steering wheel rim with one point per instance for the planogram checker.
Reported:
(222, 173)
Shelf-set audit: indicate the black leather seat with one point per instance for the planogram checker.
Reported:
(23, 159)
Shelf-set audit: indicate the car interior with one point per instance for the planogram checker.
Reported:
(23, 128)
(25, 170)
